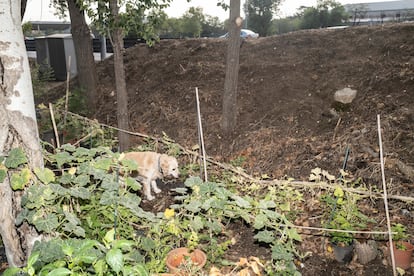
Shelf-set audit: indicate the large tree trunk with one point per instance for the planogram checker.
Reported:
(18, 127)
(229, 118)
(82, 41)
(121, 91)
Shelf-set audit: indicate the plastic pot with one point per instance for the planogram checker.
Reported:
(343, 254)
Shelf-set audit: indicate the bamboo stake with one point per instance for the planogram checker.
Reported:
(67, 90)
(336, 230)
(54, 125)
(384, 187)
(200, 129)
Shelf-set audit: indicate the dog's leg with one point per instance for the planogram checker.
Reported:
(155, 187)
(147, 190)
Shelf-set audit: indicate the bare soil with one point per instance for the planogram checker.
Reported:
(288, 120)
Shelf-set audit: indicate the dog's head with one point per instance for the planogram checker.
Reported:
(169, 166)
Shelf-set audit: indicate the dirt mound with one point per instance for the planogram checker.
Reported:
(288, 120)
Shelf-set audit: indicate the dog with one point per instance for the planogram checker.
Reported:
(153, 166)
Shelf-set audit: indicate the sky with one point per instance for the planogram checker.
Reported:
(39, 10)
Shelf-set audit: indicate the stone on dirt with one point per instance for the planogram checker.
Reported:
(345, 96)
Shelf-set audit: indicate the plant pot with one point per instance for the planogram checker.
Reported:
(178, 256)
(366, 252)
(403, 257)
(343, 254)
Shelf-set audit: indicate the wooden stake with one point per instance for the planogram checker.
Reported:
(200, 131)
(384, 187)
(52, 116)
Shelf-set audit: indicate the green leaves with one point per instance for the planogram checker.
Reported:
(15, 159)
(260, 221)
(3, 174)
(115, 259)
(61, 271)
(133, 184)
(265, 236)
(47, 223)
(63, 158)
(89, 197)
(241, 202)
(21, 179)
(45, 175)
(293, 234)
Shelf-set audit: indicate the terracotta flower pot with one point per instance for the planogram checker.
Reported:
(178, 256)
(403, 257)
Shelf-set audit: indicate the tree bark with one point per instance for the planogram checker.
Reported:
(18, 128)
(82, 41)
(229, 119)
(121, 91)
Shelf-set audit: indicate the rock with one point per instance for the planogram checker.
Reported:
(345, 96)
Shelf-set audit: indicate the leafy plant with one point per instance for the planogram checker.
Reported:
(343, 212)
(73, 128)
(83, 257)
(401, 235)
(190, 268)
(81, 196)
(210, 206)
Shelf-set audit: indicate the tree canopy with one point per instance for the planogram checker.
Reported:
(259, 14)
(327, 13)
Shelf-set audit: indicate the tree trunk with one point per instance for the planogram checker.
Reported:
(82, 41)
(229, 118)
(18, 128)
(121, 91)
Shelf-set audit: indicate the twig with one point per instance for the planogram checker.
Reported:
(182, 67)
(384, 188)
(329, 186)
(84, 138)
(336, 128)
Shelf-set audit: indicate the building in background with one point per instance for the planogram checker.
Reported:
(380, 12)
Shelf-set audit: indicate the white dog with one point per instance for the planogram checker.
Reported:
(153, 166)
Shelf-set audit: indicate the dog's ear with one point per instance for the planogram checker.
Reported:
(164, 163)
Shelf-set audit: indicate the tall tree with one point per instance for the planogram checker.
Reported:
(139, 16)
(82, 41)
(212, 27)
(260, 14)
(326, 13)
(117, 39)
(229, 117)
(18, 128)
(192, 21)
(358, 12)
